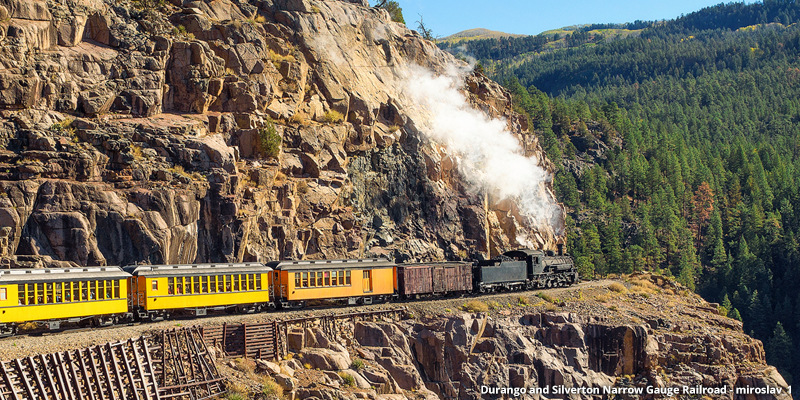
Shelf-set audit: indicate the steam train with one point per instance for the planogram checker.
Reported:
(101, 296)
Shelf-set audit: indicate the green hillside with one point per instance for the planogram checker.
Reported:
(475, 34)
(678, 151)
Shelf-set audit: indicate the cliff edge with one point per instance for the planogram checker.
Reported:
(207, 131)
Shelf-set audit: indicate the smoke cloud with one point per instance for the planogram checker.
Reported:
(490, 158)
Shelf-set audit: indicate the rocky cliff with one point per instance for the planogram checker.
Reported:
(141, 132)
(644, 337)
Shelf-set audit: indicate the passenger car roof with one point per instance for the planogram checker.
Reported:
(197, 269)
(35, 275)
(308, 265)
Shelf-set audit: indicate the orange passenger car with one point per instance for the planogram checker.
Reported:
(361, 281)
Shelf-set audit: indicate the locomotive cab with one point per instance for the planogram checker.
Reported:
(545, 268)
(534, 260)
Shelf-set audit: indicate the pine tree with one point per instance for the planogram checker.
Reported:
(779, 351)
(735, 314)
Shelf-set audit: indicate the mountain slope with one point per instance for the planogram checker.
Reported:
(678, 152)
(233, 131)
(474, 34)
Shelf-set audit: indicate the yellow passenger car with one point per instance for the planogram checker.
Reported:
(157, 291)
(55, 296)
(352, 281)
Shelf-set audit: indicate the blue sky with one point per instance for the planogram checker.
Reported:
(445, 17)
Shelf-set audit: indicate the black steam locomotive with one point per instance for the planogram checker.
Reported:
(514, 270)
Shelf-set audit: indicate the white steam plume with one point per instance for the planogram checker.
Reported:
(489, 157)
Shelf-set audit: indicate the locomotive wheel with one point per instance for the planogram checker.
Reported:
(548, 284)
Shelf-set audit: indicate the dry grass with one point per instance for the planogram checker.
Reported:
(137, 152)
(277, 59)
(300, 118)
(603, 298)
(180, 32)
(62, 125)
(245, 365)
(617, 287)
(178, 170)
(302, 187)
(524, 300)
(258, 19)
(394, 128)
(475, 306)
(239, 389)
(333, 116)
(270, 388)
(643, 286)
(493, 305)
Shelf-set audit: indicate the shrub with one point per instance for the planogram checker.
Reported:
(357, 364)
(348, 379)
(544, 296)
(180, 31)
(307, 365)
(602, 298)
(493, 305)
(475, 306)
(333, 116)
(315, 10)
(617, 287)
(269, 140)
(62, 125)
(524, 300)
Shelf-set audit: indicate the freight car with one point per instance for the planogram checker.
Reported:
(106, 295)
(433, 279)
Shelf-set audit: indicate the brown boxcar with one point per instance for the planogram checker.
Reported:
(433, 278)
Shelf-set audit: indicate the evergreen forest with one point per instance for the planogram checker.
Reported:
(678, 151)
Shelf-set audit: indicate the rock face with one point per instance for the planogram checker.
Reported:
(133, 132)
(624, 341)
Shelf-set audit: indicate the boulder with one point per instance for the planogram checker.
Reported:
(286, 382)
(268, 367)
(326, 360)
